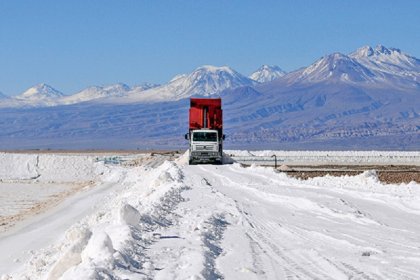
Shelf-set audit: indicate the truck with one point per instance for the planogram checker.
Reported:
(205, 133)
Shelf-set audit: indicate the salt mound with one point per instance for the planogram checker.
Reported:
(129, 215)
(99, 250)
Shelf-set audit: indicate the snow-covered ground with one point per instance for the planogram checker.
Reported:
(30, 184)
(175, 221)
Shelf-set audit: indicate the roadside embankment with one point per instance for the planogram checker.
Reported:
(47, 167)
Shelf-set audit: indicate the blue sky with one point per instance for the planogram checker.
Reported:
(74, 44)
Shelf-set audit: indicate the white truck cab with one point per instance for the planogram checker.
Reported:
(205, 146)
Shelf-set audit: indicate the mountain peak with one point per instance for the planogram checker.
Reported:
(364, 51)
(206, 80)
(380, 49)
(389, 61)
(215, 69)
(267, 73)
(98, 93)
(336, 66)
(209, 79)
(40, 91)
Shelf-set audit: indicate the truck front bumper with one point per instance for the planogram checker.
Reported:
(198, 156)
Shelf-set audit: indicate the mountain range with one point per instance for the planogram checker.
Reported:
(368, 99)
(204, 81)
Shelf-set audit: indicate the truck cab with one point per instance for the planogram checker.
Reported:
(205, 146)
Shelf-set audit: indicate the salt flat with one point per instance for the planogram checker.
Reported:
(20, 201)
(165, 219)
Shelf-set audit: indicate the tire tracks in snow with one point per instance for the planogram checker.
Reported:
(306, 262)
(197, 231)
(262, 238)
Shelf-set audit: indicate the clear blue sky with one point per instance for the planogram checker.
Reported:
(74, 44)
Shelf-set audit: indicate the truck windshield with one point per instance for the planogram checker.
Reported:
(205, 136)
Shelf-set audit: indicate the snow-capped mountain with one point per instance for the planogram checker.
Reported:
(203, 81)
(97, 92)
(366, 66)
(40, 92)
(38, 95)
(388, 60)
(144, 86)
(333, 67)
(110, 93)
(45, 95)
(267, 73)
